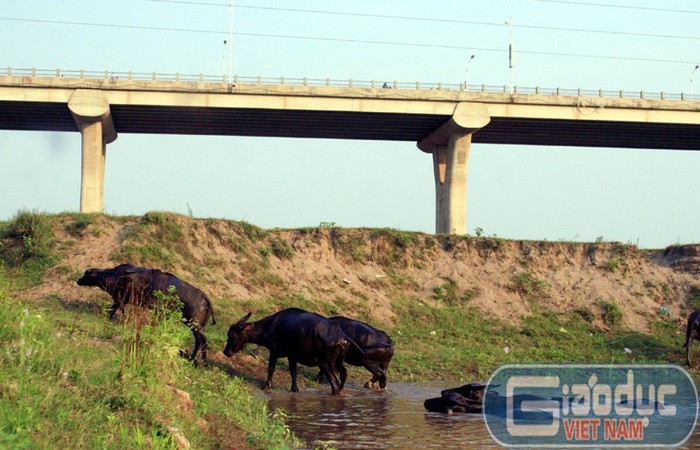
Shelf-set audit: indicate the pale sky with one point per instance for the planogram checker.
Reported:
(644, 197)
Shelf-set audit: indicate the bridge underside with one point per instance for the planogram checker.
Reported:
(444, 127)
(45, 116)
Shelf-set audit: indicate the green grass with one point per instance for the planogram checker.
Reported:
(450, 294)
(458, 343)
(155, 241)
(27, 245)
(612, 313)
(80, 224)
(71, 379)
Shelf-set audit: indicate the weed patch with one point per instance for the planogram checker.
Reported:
(450, 293)
(80, 223)
(612, 313)
(530, 286)
(155, 242)
(59, 384)
(27, 245)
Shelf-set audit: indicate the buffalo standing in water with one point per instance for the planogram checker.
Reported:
(369, 348)
(301, 337)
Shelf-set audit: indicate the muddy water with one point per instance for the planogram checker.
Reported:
(394, 418)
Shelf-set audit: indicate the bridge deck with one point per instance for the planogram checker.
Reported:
(157, 107)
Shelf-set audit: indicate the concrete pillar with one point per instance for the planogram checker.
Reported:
(92, 183)
(450, 144)
(91, 113)
(450, 166)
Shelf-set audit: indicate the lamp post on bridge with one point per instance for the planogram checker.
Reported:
(691, 80)
(223, 63)
(510, 55)
(466, 73)
(230, 39)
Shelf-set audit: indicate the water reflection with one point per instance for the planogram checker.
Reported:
(394, 418)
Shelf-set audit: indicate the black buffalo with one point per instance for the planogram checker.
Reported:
(370, 348)
(468, 398)
(112, 282)
(301, 337)
(137, 285)
(692, 332)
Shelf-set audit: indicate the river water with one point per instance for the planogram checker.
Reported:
(394, 418)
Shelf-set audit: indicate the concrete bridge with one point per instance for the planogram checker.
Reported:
(443, 120)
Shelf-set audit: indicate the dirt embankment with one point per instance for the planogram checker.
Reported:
(368, 268)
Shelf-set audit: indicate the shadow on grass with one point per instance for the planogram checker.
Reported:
(254, 371)
(231, 367)
(90, 308)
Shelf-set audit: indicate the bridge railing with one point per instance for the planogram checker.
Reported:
(389, 84)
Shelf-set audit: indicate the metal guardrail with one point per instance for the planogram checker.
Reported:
(202, 78)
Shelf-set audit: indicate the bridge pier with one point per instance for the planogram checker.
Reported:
(450, 165)
(450, 145)
(92, 175)
(91, 113)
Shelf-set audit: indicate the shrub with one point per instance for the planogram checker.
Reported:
(146, 331)
(32, 236)
(281, 249)
(612, 313)
(613, 264)
(27, 245)
(450, 294)
(527, 284)
(80, 223)
(402, 239)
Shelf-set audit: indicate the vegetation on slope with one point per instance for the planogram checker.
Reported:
(71, 378)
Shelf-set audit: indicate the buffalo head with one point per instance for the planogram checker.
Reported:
(91, 277)
(237, 336)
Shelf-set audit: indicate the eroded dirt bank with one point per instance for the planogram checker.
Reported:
(369, 268)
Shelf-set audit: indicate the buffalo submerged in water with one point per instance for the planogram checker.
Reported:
(477, 398)
(468, 398)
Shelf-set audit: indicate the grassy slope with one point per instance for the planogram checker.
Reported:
(70, 378)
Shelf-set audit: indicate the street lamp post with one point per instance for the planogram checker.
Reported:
(691, 80)
(230, 39)
(466, 73)
(510, 55)
(223, 62)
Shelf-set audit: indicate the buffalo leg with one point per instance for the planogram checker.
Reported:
(270, 370)
(113, 310)
(378, 380)
(293, 373)
(200, 345)
(380, 377)
(343, 372)
(376, 375)
(382, 380)
(687, 352)
(332, 377)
